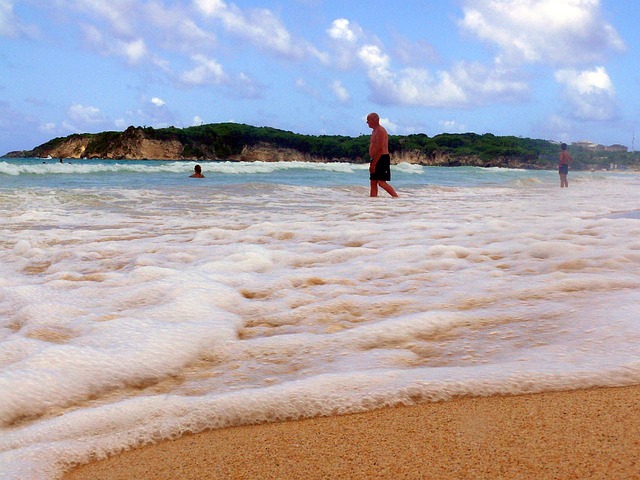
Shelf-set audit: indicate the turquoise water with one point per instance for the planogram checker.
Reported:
(24, 173)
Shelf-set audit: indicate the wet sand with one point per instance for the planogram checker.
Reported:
(583, 434)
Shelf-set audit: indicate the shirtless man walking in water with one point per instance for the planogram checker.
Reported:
(380, 169)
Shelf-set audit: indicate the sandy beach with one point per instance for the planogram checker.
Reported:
(582, 434)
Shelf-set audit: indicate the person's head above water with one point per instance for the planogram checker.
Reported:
(373, 120)
(197, 172)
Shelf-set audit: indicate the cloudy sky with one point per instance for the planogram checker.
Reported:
(565, 70)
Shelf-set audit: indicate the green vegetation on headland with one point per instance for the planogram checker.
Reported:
(232, 141)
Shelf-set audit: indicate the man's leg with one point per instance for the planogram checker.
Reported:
(374, 188)
(388, 188)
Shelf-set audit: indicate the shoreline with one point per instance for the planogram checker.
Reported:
(580, 434)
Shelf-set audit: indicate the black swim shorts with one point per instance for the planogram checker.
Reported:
(383, 169)
(563, 169)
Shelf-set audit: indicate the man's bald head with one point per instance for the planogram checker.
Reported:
(373, 119)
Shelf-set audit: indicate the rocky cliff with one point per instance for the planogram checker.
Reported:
(136, 143)
(239, 142)
(266, 152)
(133, 144)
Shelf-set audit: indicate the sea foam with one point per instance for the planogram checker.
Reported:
(139, 312)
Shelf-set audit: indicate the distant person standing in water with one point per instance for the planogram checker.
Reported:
(563, 165)
(380, 167)
(197, 172)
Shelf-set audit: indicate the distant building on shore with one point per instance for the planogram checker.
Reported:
(598, 147)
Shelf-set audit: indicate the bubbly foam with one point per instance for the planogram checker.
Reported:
(134, 314)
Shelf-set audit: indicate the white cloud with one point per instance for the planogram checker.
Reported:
(119, 14)
(86, 114)
(417, 87)
(555, 31)
(343, 30)
(340, 91)
(389, 125)
(211, 7)
(375, 59)
(176, 30)
(260, 27)
(10, 25)
(587, 81)
(465, 85)
(158, 102)
(168, 25)
(139, 32)
(134, 50)
(82, 118)
(206, 72)
(344, 37)
(452, 126)
(590, 93)
(7, 19)
(489, 83)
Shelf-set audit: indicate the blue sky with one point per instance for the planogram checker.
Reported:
(564, 70)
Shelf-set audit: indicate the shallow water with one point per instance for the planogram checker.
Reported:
(137, 304)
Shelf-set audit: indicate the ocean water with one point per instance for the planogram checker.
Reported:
(137, 304)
